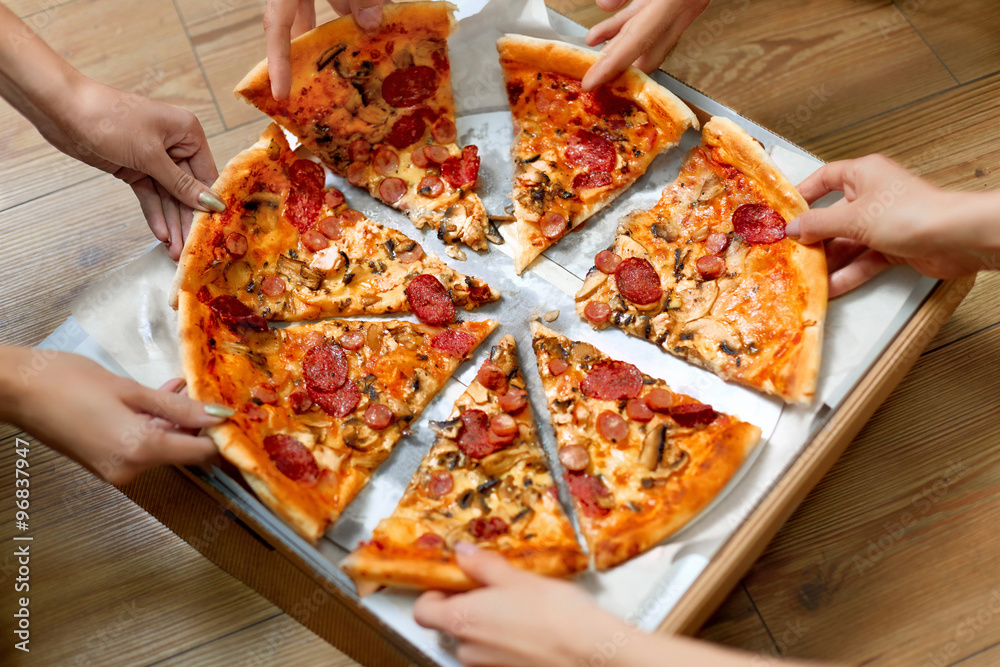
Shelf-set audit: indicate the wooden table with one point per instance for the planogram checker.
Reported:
(891, 560)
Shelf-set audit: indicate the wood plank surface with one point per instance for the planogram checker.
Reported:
(915, 79)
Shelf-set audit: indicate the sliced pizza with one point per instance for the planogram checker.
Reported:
(318, 406)
(291, 249)
(485, 481)
(709, 275)
(377, 108)
(574, 152)
(641, 460)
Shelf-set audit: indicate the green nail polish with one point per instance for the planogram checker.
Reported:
(211, 201)
(217, 410)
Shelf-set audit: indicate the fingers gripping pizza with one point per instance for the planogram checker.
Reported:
(291, 249)
(574, 152)
(377, 108)
(485, 481)
(641, 460)
(708, 274)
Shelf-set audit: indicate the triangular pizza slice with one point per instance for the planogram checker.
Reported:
(708, 274)
(377, 108)
(484, 481)
(574, 152)
(291, 249)
(318, 406)
(641, 460)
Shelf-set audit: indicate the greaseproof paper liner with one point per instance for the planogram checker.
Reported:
(126, 314)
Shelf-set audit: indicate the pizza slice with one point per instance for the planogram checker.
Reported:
(319, 406)
(291, 249)
(484, 481)
(574, 152)
(708, 274)
(641, 460)
(377, 108)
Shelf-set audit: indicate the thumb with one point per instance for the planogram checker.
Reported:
(368, 14)
(176, 408)
(184, 187)
(819, 224)
(487, 567)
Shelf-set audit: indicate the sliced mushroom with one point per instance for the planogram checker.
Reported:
(696, 299)
(373, 338)
(710, 189)
(710, 334)
(652, 447)
(299, 272)
(270, 200)
(357, 435)
(629, 247)
(448, 429)
(477, 393)
(595, 278)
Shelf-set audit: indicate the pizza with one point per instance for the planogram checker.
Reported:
(377, 108)
(574, 152)
(290, 249)
(485, 481)
(319, 406)
(641, 460)
(709, 276)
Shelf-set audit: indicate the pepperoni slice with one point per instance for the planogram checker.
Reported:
(409, 86)
(385, 162)
(596, 179)
(504, 426)
(514, 400)
(235, 313)
(638, 281)
(272, 286)
(552, 225)
(413, 254)
(711, 266)
(436, 154)
(253, 412)
(357, 173)
(429, 300)
(392, 189)
(558, 366)
(591, 151)
(758, 224)
(659, 400)
(264, 394)
(444, 131)
(473, 435)
(456, 343)
(430, 186)
(338, 403)
(405, 131)
(359, 150)
(419, 158)
(716, 243)
(330, 228)
(440, 483)
(306, 175)
(574, 457)
(611, 426)
(637, 410)
(299, 402)
(596, 312)
(462, 171)
(548, 100)
(430, 541)
(692, 414)
(492, 377)
(292, 458)
(607, 261)
(612, 380)
(333, 198)
(325, 367)
(603, 102)
(352, 340)
(314, 240)
(303, 208)
(587, 489)
(378, 416)
(350, 217)
(236, 244)
(483, 528)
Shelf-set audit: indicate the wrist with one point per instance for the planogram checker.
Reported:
(977, 225)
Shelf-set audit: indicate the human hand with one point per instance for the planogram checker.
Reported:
(158, 149)
(642, 34)
(890, 216)
(284, 20)
(113, 426)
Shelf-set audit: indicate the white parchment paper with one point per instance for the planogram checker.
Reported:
(132, 331)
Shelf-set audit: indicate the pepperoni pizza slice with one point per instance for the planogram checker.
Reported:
(574, 152)
(291, 249)
(708, 274)
(484, 481)
(641, 460)
(377, 108)
(318, 406)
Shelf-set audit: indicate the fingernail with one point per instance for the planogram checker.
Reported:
(369, 18)
(466, 548)
(211, 201)
(792, 229)
(217, 410)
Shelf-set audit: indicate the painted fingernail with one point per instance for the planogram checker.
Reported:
(465, 548)
(369, 18)
(211, 201)
(217, 410)
(792, 229)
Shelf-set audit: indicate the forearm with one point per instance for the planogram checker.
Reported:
(14, 364)
(975, 226)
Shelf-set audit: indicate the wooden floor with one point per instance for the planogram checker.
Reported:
(891, 560)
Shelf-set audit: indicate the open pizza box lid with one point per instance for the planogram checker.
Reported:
(872, 337)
